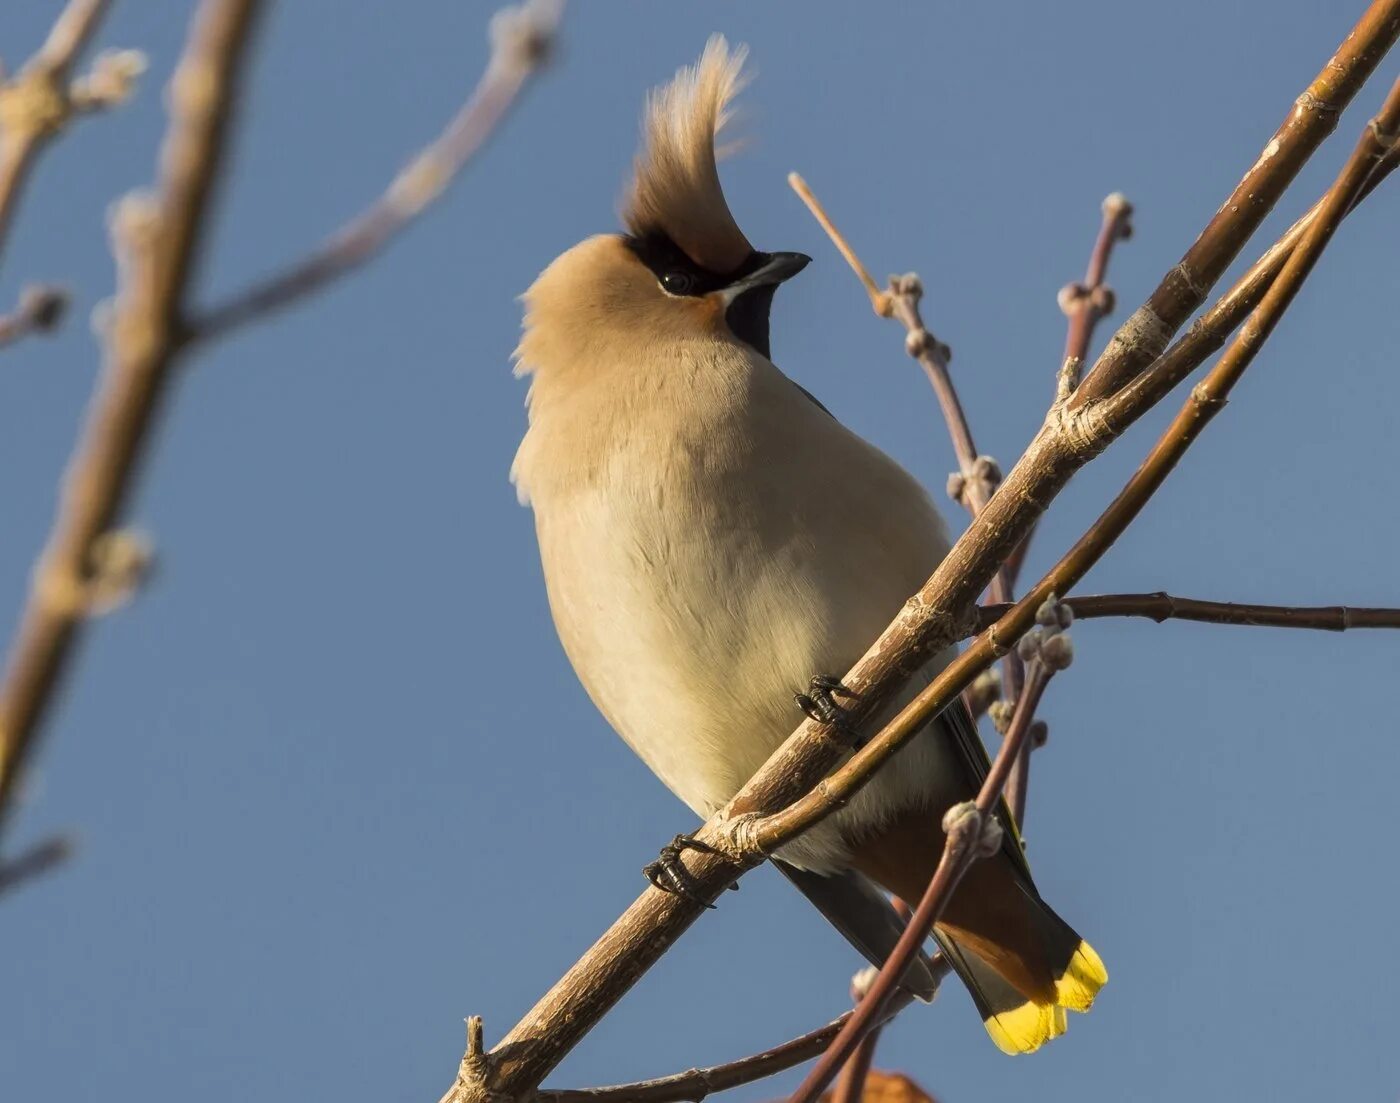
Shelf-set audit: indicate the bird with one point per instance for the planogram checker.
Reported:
(712, 538)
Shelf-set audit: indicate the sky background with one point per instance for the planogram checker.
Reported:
(334, 782)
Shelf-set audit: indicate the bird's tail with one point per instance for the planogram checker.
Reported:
(1023, 964)
(1021, 1016)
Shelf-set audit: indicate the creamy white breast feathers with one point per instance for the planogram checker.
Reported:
(711, 538)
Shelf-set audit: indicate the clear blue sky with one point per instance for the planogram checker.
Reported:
(335, 784)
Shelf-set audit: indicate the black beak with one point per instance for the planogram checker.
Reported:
(775, 268)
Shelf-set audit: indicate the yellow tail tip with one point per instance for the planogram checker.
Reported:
(1026, 1028)
(1082, 979)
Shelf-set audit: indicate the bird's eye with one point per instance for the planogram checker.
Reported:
(678, 283)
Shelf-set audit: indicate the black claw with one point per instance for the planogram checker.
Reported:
(826, 683)
(668, 872)
(819, 702)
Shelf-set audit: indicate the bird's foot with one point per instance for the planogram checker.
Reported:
(668, 872)
(819, 703)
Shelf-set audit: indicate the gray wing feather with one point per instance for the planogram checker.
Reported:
(862, 913)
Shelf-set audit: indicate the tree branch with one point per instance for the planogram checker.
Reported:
(521, 42)
(40, 310)
(158, 243)
(1161, 606)
(38, 102)
(1313, 117)
(695, 1084)
(35, 862)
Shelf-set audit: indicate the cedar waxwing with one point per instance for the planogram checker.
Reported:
(712, 539)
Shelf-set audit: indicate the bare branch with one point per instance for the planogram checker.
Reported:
(40, 310)
(1085, 304)
(158, 243)
(37, 102)
(1161, 606)
(35, 862)
(1213, 327)
(695, 1084)
(1314, 115)
(522, 40)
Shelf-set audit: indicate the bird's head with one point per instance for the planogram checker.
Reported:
(684, 269)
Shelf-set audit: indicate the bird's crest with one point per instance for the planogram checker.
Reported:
(675, 187)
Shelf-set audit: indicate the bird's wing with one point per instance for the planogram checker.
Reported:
(817, 402)
(863, 914)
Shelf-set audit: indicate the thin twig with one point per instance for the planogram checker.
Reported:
(35, 862)
(929, 622)
(158, 242)
(522, 40)
(1184, 288)
(695, 1084)
(1085, 305)
(40, 310)
(1161, 606)
(36, 103)
(1211, 330)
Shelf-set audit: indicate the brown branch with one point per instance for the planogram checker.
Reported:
(158, 242)
(1312, 118)
(35, 862)
(1160, 606)
(1085, 305)
(930, 621)
(522, 40)
(850, 1084)
(40, 310)
(1213, 327)
(1205, 401)
(972, 832)
(37, 102)
(695, 1084)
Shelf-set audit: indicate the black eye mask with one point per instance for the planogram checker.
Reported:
(677, 274)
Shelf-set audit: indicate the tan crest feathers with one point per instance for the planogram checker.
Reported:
(675, 187)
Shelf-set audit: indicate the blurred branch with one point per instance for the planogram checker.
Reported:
(695, 1084)
(1160, 606)
(40, 310)
(86, 567)
(157, 241)
(35, 862)
(522, 40)
(38, 101)
(745, 829)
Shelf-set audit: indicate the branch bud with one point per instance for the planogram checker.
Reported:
(1117, 206)
(1057, 652)
(966, 823)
